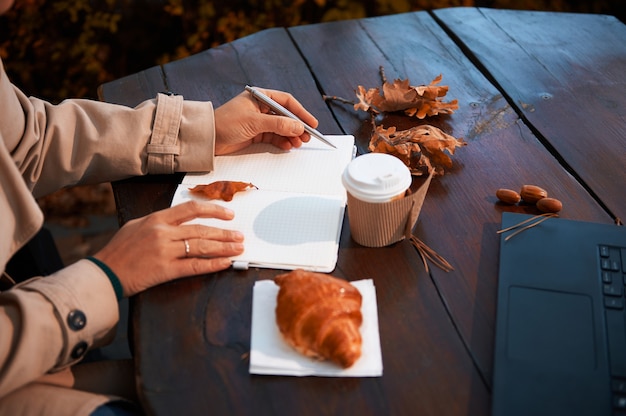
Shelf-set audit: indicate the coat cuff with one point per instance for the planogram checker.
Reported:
(182, 137)
(85, 306)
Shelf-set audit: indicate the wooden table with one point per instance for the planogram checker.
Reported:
(542, 100)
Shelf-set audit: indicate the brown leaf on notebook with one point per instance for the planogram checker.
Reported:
(421, 148)
(224, 190)
(416, 101)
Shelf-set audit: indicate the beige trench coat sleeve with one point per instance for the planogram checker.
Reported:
(44, 147)
(84, 141)
(50, 323)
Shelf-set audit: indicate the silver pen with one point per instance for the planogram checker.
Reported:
(279, 109)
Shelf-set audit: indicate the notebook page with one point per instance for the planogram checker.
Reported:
(294, 218)
(282, 230)
(312, 168)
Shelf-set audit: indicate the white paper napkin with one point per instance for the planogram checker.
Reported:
(270, 354)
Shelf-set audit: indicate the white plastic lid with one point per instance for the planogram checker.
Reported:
(376, 177)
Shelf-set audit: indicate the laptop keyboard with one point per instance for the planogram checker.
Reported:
(613, 275)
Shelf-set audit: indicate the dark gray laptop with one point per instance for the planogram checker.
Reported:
(560, 346)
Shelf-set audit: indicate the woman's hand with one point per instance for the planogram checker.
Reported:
(152, 250)
(243, 121)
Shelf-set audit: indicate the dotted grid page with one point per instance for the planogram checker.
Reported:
(293, 220)
(313, 168)
(283, 231)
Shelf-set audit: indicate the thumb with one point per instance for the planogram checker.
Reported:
(281, 126)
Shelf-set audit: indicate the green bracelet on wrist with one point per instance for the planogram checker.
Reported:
(117, 286)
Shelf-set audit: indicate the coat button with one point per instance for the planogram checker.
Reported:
(79, 350)
(76, 320)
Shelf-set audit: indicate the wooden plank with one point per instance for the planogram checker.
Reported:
(565, 73)
(460, 216)
(135, 88)
(268, 59)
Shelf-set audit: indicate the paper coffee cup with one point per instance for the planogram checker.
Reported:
(376, 177)
(378, 211)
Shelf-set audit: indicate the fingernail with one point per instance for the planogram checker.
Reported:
(297, 128)
(237, 235)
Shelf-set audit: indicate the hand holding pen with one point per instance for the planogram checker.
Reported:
(279, 109)
(244, 120)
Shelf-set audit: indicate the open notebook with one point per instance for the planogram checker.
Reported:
(293, 220)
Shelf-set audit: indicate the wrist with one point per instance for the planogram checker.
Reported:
(115, 281)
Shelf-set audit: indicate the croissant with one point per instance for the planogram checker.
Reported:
(320, 315)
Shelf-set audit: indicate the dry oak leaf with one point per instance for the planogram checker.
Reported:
(419, 101)
(224, 190)
(418, 147)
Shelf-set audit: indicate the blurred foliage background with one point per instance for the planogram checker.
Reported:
(56, 49)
